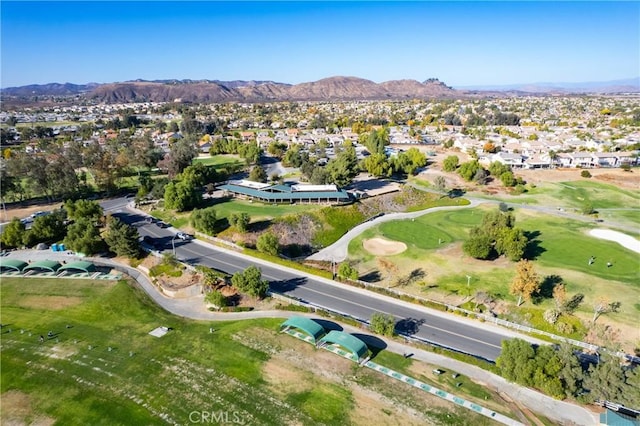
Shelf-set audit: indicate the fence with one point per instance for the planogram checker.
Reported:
(495, 320)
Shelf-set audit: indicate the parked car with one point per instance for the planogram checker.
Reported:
(38, 214)
(183, 236)
(162, 224)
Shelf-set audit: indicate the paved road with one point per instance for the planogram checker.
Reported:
(194, 308)
(108, 205)
(468, 336)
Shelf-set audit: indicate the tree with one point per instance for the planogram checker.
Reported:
(571, 374)
(606, 380)
(572, 304)
(258, 174)
(204, 220)
(603, 305)
(377, 165)
(344, 167)
(508, 179)
(88, 209)
(277, 149)
(478, 247)
(526, 281)
(183, 193)
(450, 164)
(345, 270)
(512, 243)
(469, 169)
(84, 237)
(13, 233)
(216, 298)
(440, 184)
(516, 361)
(240, 221)
(559, 295)
(250, 281)
(384, 324)
(48, 228)
(180, 156)
(268, 243)
(122, 239)
(388, 266)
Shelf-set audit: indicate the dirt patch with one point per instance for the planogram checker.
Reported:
(53, 303)
(617, 177)
(285, 379)
(25, 211)
(382, 247)
(370, 408)
(16, 409)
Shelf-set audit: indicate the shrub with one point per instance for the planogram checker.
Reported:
(585, 174)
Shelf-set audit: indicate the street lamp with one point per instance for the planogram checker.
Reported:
(173, 245)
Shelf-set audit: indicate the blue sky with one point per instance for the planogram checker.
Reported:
(461, 43)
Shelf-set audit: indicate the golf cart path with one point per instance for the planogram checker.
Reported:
(194, 308)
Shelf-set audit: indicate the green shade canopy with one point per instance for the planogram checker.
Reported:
(50, 265)
(15, 264)
(81, 265)
(347, 341)
(307, 325)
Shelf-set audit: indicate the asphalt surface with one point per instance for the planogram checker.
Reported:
(478, 339)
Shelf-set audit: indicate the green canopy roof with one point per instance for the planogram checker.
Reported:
(51, 265)
(82, 265)
(307, 325)
(15, 264)
(347, 341)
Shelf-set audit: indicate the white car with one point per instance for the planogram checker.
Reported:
(38, 214)
(183, 236)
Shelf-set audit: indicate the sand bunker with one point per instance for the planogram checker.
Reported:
(382, 247)
(626, 241)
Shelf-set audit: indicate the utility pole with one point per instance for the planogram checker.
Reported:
(468, 282)
(173, 245)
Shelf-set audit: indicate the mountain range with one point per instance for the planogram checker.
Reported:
(328, 89)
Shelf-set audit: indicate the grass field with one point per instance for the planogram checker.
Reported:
(561, 247)
(219, 161)
(102, 367)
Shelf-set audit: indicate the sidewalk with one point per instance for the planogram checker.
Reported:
(194, 308)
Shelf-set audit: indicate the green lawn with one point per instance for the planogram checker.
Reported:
(219, 161)
(102, 367)
(260, 211)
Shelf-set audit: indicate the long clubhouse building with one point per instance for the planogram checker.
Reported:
(285, 193)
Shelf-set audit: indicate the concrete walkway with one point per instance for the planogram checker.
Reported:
(338, 251)
(194, 308)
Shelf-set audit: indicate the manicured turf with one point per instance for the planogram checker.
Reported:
(432, 230)
(260, 211)
(219, 161)
(102, 367)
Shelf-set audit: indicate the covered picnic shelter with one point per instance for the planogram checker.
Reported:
(305, 325)
(12, 264)
(79, 265)
(347, 341)
(47, 265)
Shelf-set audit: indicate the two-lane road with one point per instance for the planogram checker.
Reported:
(439, 328)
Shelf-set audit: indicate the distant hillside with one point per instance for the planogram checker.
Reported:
(629, 85)
(51, 89)
(333, 88)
